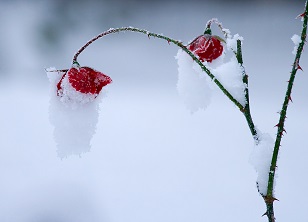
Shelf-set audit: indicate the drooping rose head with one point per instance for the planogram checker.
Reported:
(207, 47)
(85, 80)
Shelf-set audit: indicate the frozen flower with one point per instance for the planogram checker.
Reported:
(207, 47)
(85, 80)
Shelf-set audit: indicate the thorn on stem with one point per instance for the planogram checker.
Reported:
(290, 99)
(297, 66)
(301, 15)
(269, 199)
(277, 125)
(283, 130)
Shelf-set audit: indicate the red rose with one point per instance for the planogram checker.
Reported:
(85, 80)
(207, 47)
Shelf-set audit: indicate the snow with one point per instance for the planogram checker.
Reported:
(232, 41)
(150, 159)
(296, 39)
(72, 98)
(192, 83)
(74, 116)
(194, 89)
(261, 158)
(230, 74)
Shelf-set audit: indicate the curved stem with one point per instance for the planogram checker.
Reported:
(169, 40)
(224, 31)
(269, 196)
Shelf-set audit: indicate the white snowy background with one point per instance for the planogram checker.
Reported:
(151, 159)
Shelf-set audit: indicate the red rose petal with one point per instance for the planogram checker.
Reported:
(207, 47)
(85, 80)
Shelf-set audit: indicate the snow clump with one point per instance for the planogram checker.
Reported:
(74, 116)
(261, 158)
(192, 85)
(296, 39)
(193, 82)
(232, 41)
(230, 74)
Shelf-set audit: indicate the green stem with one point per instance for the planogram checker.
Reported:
(270, 212)
(246, 110)
(270, 187)
(169, 40)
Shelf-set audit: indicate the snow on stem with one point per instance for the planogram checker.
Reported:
(269, 198)
(239, 57)
(225, 31)
(246, 110)
(169, 40)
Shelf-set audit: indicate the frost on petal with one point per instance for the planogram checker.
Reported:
(72, 98)
(261, 158)
(207, 47)
(296, 39)
(230, 74)
(192, 85)
(74, 116)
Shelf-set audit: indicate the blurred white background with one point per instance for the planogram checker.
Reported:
(151, 159)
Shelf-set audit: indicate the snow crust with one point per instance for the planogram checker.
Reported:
(74, 116)
(261, 158)
(296, 39)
